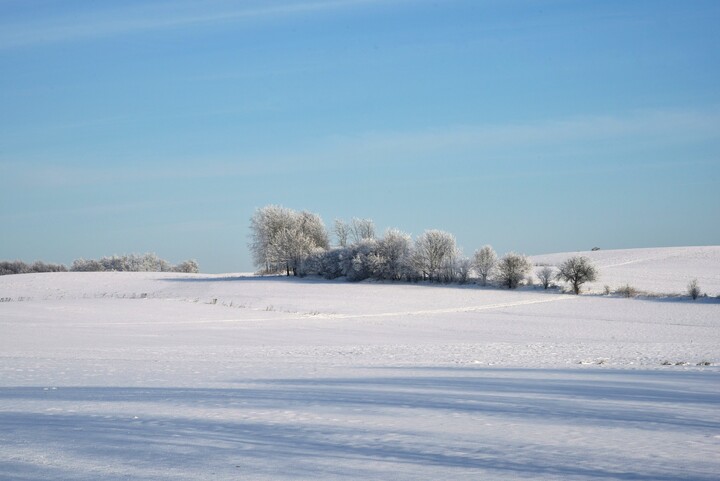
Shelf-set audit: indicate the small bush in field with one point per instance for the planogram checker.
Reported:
(627, 291)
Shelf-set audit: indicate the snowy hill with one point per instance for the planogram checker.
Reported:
(154, 376)
(664, 270)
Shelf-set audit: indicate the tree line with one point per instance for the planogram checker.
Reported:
(297, 243)
(128, 263)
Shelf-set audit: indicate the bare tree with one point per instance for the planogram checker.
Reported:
(511, 269)
(577, 271)
(484, 263)
(545, 275)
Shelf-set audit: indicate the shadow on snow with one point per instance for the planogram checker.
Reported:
(662, 401)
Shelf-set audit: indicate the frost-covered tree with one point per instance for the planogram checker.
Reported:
(132, 263)
(86, 265)
(13, 267)
(312, 226)
(342, 232)
(356, 261)
(311, 264)
(577, 270)
(189, 267)
(266, 226)
(149, 262)
(545, 275)
(308, 234)
(511, 269)
(391, 257)
(281, 238)
(20, 267)
(361, 229)
(40, 266)
(484, 262)
(463, 268)
(331, 263)
(434, 253)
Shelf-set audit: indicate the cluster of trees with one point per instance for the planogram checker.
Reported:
(283, 239)
(129, 263)
(20, 267)
(133, 263)
(297, 243)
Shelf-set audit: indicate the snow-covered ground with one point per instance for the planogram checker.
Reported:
(663, 270)
(191, 377)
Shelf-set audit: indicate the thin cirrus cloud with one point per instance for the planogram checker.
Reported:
(657, 129)
(154, 16)
(663, 126)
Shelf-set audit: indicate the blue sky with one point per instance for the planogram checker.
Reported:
(160, 126)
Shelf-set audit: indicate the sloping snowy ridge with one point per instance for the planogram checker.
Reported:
(173, 376)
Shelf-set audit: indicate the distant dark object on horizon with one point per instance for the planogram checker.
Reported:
(595, 249)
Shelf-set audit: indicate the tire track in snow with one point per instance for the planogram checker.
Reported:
(297, 316)
(450, 310)
(631, 261)
(301, 316)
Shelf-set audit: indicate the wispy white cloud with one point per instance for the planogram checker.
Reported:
(155, 16)
(534, 142)
(96, 210)
(660, 126)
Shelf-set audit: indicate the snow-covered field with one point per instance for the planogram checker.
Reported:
(658, 270)
(192, 377)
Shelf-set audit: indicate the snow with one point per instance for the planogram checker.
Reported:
(174, 376)
(663, 270)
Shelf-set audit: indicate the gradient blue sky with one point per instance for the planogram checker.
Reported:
(535, 126)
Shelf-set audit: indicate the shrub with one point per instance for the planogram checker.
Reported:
(693, 289)
(626, 291)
